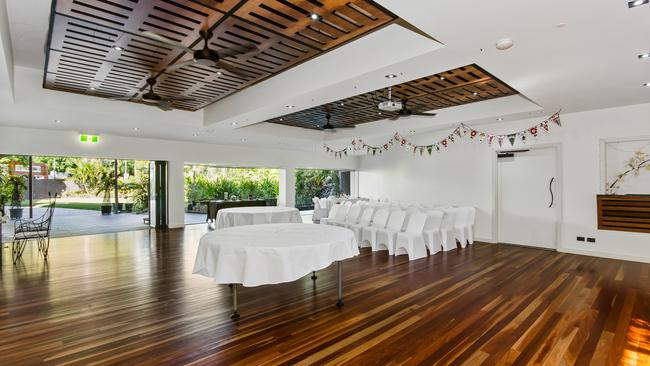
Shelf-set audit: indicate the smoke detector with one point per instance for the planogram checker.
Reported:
(505, 44)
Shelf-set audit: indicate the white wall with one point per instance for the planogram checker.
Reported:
(464, 175)
(64, 143)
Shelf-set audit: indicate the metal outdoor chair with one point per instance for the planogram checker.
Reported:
(34, 229)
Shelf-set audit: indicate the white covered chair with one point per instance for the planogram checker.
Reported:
(460, 225)
(409, 211)
(447, 239)
(351, 218)
(369, 234)
(471, 219)
(432, 233)
(332, 214)
(341, 214)
(364, 221)
(411, 241)
(319, 211)
(386, 237)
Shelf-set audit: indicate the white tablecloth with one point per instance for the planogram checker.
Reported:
(239, 216)
(267, 254)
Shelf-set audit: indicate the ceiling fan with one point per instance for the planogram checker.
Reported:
(206, 56)
(329, 127)
(405, 112)
(150, 97)
(400, 107)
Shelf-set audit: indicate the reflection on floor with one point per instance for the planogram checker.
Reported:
(131, 298)
(70, 222)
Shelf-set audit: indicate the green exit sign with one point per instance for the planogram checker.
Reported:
(89, 138)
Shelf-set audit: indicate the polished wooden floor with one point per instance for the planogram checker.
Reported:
(130, 298)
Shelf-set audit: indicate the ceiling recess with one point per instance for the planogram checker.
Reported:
(463, 85)
(96, 47)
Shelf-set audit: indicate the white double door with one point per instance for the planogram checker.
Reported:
(528, 198)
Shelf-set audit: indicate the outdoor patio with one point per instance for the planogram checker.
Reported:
(73, 222)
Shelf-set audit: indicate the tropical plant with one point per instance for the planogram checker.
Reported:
(85, 174)
(4, 194)
(315, 183)
(105, 183)
(17, 186)
(137, 189)
(204, 182)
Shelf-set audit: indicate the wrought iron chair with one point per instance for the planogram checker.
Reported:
(35, 229)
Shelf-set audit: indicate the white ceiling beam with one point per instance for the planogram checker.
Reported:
(6, 56)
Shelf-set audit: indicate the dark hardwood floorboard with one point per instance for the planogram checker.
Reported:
(130, 298)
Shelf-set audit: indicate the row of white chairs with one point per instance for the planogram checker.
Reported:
(411, 231)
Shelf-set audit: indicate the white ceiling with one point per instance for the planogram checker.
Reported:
(590, 63)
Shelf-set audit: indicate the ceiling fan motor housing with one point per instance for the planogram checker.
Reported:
(390, 106)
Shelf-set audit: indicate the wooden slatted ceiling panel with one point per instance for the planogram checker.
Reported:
(81, 57)
(447, 89)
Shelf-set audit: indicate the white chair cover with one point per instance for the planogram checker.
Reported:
(432, 234)
(369, 234)
(447, 230)
(411, 241)
(364, 221)
(332, 214)
(386, 237)
(471, 218)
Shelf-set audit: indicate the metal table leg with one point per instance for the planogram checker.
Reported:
(313, 275)
(339, 270)
(235, 310)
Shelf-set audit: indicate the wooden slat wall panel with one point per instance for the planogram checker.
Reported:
(624, 213)
(447, 89)
(281, 29)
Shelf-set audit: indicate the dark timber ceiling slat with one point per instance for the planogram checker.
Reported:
(447, 89)
(81, 57)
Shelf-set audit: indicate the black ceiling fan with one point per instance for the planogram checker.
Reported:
(405, 112)
(150, 97)
(329, 127)
(206, 56)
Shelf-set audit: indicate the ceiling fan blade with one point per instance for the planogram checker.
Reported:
(121, 98)
(423, 114)
(162, 39)
(230, 68)
(180, 65)
(165, 106)
(345, 127)
(179, 99)
(237, 50)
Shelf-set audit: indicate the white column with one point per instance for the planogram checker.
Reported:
(287, 196)
(354, 183)
(175, 194)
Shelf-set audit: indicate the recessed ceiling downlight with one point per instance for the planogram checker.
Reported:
(635, 3)
(504, 44)
(645, 55)
(391, 76)
(58, 121)
(647, 84)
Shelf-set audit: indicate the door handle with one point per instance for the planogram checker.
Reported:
(550, 189)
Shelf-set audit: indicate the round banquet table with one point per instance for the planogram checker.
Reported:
(239, 216)
(256, 255)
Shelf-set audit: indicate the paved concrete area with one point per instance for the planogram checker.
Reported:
(73, 222)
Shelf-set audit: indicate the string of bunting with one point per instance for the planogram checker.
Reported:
(461, 131)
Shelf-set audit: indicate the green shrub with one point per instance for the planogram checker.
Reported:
(258, 183)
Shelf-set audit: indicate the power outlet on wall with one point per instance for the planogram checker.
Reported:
(580, 238)
(591, 240)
